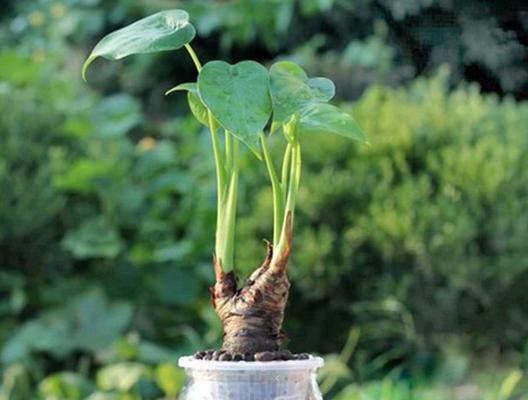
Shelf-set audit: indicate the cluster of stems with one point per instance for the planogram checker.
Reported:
(227, 162)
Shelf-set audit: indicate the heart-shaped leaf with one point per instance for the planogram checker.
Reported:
(166, 30)
(238, 97)
(292, 90)
(326, 118)
(198, 109)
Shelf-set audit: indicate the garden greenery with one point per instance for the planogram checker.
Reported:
(243, 103)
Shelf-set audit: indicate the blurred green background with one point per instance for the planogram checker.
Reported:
(410, 267)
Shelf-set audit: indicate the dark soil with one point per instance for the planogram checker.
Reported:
(223, 355)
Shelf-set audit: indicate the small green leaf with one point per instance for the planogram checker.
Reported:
(238, 97)
(198, 109)
(188, 86)
(292, 90)
(326, 118)
(166, 30)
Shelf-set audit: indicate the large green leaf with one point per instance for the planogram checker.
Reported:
(238, 97)
(326, 118)
(292, 90)
(87, 322)
(166, 30)
(198, 109)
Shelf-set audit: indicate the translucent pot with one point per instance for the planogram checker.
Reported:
(240, 380)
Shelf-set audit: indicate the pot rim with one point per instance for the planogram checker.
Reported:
(189, 362)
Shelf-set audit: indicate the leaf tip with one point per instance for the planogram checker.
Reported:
(85, 66)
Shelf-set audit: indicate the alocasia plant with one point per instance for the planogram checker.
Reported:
(243, 104)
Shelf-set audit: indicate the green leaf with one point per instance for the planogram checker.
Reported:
(104, 396)
(238, 97)
(188, 86)
(326, 118)
(121, 376)
(509, 384)
(198, 109)
(88, 322)
(116, 115)
(174, 285)
(170, 379)
(292, 90)
(94, 237)
(17, 69)
(166, 30)
(83, 175)
(65, 385)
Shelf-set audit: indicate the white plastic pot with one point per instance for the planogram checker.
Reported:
(241, 380)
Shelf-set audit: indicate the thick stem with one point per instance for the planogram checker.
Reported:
(252, 315)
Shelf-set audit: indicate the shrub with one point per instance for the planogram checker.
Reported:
(421, 235)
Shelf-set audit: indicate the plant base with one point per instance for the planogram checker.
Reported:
(273, 380)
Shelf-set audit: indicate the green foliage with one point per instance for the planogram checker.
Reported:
(65, 385)
(88, 323)
(292, 91)
(78, 181)
(416, 242)
(426, 216)
(166, 30)
(328, 119)
(238, 97)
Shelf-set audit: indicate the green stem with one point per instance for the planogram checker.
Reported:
(213, 127)
(295, 174)
(194, 57)
(286, 167)
(278, 199)
(226, 195)
(293, 186)
(227, 254)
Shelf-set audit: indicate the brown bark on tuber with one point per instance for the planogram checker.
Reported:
(252, 315)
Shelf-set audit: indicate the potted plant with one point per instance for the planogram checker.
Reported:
(242, 105)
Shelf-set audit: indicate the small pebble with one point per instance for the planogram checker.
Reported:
(199, 355)
(285, 355)
(216, 355)
(225, 357)
(208, 355)
(264, 356)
